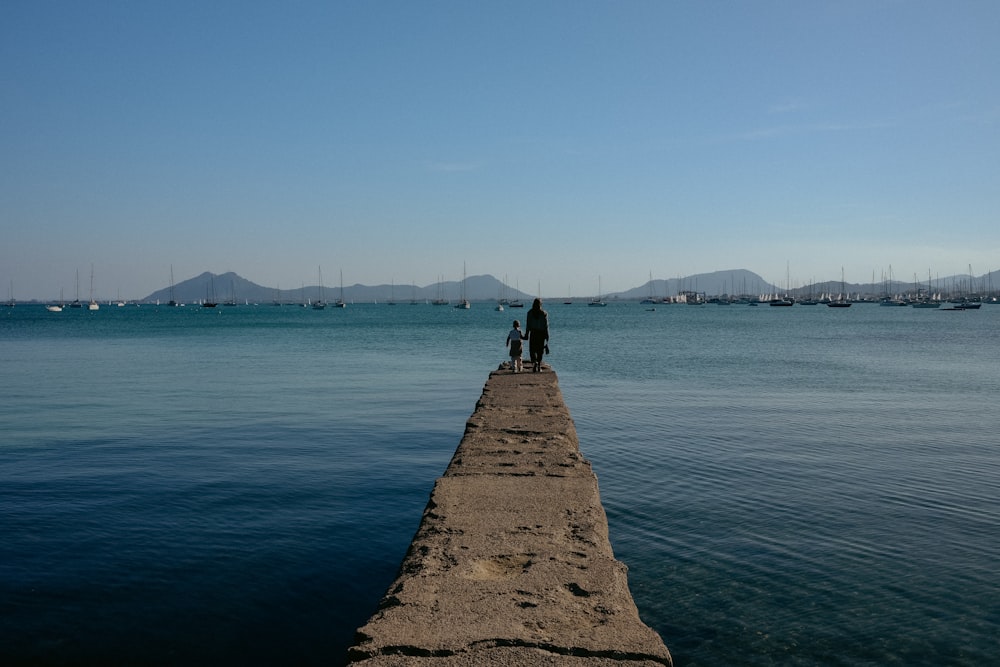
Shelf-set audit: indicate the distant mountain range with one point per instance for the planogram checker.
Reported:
(231, 286)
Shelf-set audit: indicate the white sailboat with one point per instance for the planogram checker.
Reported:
(927, 300)
(597, 301)
(93, 304)
(56, 308)
(842, 301)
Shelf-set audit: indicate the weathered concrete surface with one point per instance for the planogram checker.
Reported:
(511, 564)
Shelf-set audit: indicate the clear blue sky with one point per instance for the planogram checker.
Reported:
(548, 142)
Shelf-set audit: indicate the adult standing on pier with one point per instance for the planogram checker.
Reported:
(537, 328)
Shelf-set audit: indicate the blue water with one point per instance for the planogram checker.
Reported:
(788, 486)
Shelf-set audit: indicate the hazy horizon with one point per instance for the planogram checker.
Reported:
(84, 293)
(727, 281)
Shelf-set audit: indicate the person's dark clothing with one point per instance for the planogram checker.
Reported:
(537, 328)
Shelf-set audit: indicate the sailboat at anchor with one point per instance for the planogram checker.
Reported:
(340, 302)
(93, 304)
(463, 303)
(319, 304)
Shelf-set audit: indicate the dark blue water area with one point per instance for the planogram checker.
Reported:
(268, 546)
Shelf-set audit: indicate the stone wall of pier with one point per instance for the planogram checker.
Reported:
(511, 564)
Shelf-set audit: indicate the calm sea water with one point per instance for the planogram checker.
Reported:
(789, 486)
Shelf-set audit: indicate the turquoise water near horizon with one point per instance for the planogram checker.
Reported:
(238, 485)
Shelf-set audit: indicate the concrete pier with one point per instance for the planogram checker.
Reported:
(511, 564)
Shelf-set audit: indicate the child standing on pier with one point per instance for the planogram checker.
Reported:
(514, 339)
